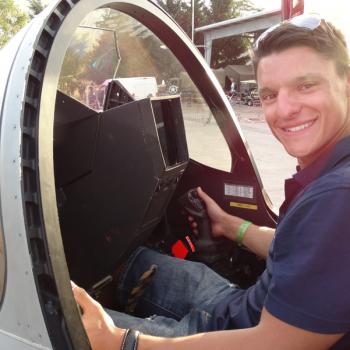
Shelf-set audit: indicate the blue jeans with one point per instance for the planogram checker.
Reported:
(178, 301)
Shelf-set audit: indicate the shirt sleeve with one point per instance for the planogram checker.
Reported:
(310, 283)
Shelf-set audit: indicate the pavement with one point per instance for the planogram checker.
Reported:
(207, 145)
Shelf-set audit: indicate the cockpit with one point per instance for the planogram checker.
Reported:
(120, 147)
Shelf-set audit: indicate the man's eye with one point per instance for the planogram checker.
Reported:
(306, 86)
(268, 97)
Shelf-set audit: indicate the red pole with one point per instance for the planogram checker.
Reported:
(298, 9)
(288, 10)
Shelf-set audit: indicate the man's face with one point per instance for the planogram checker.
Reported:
(305, 101)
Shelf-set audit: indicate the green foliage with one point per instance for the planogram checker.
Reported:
(230, 50)
(181, 12)
(225, 51)
(221, 10)
(35, 7)
(12, 19)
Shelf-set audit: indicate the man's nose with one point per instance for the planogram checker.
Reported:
(287, 104)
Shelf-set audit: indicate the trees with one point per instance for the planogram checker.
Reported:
(35, 7)
(12, 19)
(226, 9)
(229, 50)
(225, 51)
(180, 11)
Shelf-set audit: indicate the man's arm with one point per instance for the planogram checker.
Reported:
(269, 334)
(257, 238)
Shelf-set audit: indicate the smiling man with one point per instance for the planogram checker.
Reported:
(301, 301)
(303, 104)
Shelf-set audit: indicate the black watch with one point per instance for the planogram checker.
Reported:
(130, 340)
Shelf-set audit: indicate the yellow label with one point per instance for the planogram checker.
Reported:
(244, 205)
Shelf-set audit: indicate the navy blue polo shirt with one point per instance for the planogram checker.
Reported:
(306, 282)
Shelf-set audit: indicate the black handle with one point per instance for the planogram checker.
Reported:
(208, 248)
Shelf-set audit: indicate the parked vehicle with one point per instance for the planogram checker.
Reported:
(252, 98)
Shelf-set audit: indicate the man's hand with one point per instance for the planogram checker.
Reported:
(102, 333)
(257, 238)
(222, 224)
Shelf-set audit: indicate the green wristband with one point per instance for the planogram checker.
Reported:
(242, 229)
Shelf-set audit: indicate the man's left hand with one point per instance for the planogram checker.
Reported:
(102, 333)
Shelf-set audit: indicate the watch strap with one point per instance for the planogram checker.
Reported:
(130, 340)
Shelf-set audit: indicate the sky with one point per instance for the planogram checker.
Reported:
(337, 11)
(267, 4)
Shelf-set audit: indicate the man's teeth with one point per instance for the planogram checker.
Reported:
(299, 127)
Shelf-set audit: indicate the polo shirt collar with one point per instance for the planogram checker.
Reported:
(295, 185)
(340, 152)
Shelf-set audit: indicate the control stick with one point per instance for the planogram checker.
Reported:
(208, 249)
